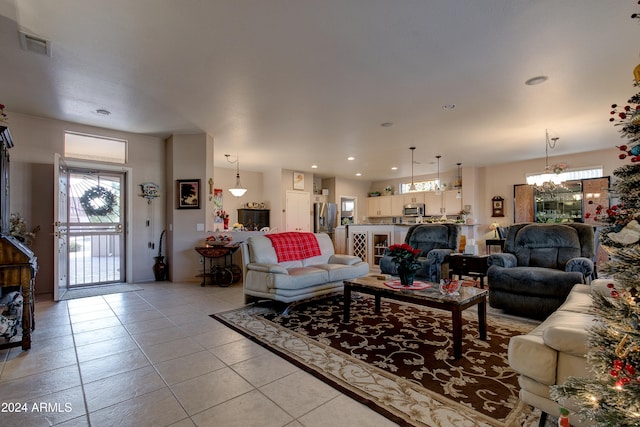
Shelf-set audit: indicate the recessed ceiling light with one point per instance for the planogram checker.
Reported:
(103, 112)
(386, 124)
(536, 80)
(351, 158)
(394, 168)
(447, 107)
(358, 174)
(314, 166)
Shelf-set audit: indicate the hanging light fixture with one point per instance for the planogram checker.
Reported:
(548, 181)
(458, 183)
(412, 187)
(438, 191)
(238, 190)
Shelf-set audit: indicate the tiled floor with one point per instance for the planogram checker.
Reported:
(156, 358)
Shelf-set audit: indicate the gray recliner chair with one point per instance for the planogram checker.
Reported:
(539, 266)
(436, 241)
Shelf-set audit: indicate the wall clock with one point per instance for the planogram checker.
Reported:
(497, 206)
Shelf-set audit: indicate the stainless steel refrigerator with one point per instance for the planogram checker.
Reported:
(325, 218)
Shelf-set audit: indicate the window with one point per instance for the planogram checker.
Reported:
(96, 148)
(420, 186)
(568, 175)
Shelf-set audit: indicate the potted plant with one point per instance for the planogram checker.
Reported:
(388, 190)
(405, 258)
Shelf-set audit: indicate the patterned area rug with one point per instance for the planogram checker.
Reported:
(398, 362)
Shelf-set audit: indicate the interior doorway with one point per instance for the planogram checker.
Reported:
(348, 210)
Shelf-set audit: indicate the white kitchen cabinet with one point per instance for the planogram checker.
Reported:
(413, 198)
(379, 206)
(452, 205)
(397, 205)
(369, 242)
(433, 203)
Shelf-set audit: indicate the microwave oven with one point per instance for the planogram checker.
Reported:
(415, 209)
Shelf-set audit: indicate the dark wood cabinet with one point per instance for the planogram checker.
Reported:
(253, 219)
(18, 264)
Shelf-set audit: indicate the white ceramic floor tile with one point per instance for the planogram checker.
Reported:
(238, 351)
(170, 350)
(105, 348)
(264, 369)
(118, 388)
(114, 332)
(299, 393)
(257, 410)
(217, 337)
(158, 336)
(159, 408)
(343, 411)
(203, 392)
(25, 363)
(188, 367)
(48, 410)
(93, 370)
(34, 386)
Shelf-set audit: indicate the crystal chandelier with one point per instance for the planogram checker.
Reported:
(548, 181)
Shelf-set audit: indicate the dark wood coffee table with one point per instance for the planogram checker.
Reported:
(431, 297)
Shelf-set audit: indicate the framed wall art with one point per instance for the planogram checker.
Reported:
(298, 181)
(497, 206)
(188, 193)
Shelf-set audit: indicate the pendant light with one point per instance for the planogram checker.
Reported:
(438, 192)
(458, 183)
(413, 186)
(238, 190)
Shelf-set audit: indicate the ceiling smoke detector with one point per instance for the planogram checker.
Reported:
(35, 44)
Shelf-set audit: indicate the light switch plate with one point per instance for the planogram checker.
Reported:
(199, 227)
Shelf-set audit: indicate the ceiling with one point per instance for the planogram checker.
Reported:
(296, 83)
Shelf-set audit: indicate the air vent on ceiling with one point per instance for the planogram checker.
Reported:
(35, 44)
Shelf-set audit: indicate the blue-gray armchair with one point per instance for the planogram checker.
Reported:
(539, 266)
(436, 241)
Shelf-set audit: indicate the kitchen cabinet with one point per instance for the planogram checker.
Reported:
(379, 206)
(369, 242)
(413, 198)
(433, 203)
(397, 205)
(253, 219)
(452, 204)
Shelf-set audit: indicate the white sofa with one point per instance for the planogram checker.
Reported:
(290, 281)
(556, 349)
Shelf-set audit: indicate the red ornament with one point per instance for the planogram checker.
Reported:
(610, 285)
(623, 147)
(618, 364)
(614, 373)
(630, 370)
(622, 156)
(622, 115)
(615, 294)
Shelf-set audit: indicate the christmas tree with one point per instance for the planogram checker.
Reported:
(611, 397)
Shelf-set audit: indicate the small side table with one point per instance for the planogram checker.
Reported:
(494, 242)
(474, 266)
(218, 274)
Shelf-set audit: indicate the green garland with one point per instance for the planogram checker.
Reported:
(98, 193)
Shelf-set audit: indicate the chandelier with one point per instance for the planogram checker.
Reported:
(238, 190)
(549, 181)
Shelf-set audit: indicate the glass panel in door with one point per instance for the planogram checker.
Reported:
(96, 225)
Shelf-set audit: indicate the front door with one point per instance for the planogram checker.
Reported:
(96, 227)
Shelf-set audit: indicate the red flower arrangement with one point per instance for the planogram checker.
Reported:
(404, 256)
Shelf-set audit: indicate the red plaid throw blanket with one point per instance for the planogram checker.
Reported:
(294, 246)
